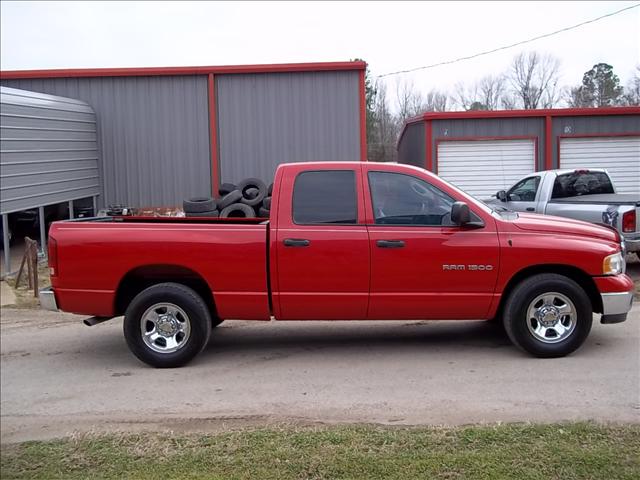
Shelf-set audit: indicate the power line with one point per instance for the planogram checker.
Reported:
(479, 54)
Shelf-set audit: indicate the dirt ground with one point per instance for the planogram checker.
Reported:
(59, 376)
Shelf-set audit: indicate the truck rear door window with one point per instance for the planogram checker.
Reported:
(581, 183)
(325, 196)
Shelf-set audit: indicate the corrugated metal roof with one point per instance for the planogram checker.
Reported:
(48, 150)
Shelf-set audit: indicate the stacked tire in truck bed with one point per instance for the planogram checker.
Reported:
(249, 198)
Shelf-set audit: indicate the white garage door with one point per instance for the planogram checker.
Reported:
(483, 167)
(619, 155)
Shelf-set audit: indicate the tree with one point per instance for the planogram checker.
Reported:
(577, 98)
(600, 88)
(534, 79)
(632, 95)
(382, 142)
(370, 100)
(487, 94)
(435, 101)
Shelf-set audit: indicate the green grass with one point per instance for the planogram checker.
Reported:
(567, 451)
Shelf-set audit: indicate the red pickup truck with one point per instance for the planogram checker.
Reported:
(345, 241)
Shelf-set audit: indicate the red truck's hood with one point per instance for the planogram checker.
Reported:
(548, 223)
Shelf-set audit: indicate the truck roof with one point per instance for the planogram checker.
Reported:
(563, 171)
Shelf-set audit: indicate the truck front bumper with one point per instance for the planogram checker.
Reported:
(615, 306)
(632, 243)
(616, 293)
(48, 299)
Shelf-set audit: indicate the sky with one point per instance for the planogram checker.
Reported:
(390, 36)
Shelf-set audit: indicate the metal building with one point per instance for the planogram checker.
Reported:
(485, 151)
(165, 134)
(48, 155)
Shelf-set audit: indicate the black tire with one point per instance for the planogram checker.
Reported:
(237, 210)
(227, 188)
(199, 204)
(521, 298)
(212, 213)
(229, 199)
(270, 189)
(266, 203)
(264, 213)
(185, 299)
(246, 185)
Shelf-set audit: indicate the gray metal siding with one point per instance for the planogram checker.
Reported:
(48, 150)
(265, 119)
(491, 128)
(412, 148)
(590, 125)
(153, 134)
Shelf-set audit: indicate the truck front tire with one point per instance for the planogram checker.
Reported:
(548, 315)
(167, 325)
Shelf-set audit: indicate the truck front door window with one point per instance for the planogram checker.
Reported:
(400, 199)
(525, 190)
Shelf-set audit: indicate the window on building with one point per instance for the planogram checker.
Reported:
(327, 196)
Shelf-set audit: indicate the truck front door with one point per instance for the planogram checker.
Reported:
(321, 246)
(422, 265)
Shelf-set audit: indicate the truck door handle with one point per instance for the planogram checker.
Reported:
(296, 242)
(390, 243)
(531, 209)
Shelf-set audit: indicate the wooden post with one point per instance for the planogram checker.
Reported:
(30, 257)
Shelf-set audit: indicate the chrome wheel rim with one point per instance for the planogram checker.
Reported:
(165, 328)
(551, 317)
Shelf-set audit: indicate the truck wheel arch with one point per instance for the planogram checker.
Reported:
(579, 276)
(141, 277)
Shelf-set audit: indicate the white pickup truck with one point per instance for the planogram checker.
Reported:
(587, 195)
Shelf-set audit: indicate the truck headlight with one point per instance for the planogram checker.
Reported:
(613, 264)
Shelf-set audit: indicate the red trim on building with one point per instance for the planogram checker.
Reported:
(213, 137)
(591, 135)
(548, 148)
(480, 139)
(551, 112)
(158, 71)
(428, 135)
(554, 112)
(363, 117)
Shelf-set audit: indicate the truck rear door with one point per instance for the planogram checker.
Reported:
(321, 245)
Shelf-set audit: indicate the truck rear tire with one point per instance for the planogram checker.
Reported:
(167, 325)
(548, 315)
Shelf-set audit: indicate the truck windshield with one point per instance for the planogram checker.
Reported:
(581, 183)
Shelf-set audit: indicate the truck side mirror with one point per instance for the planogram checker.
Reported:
(460, 213)
(501, 195)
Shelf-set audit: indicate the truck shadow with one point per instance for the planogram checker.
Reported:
(288, 338)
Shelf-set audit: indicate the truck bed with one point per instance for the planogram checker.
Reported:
(95, 255)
